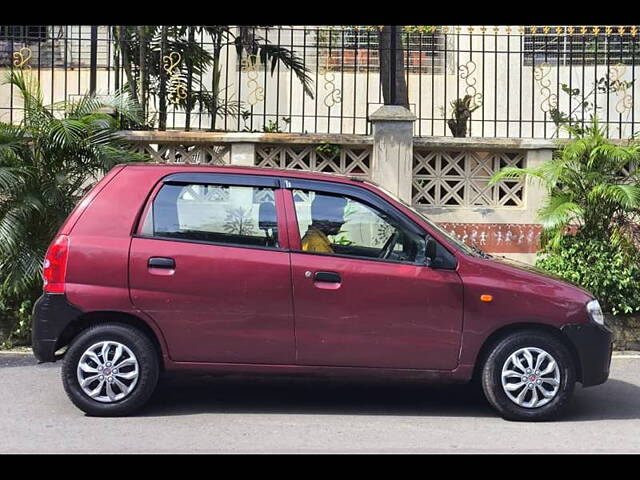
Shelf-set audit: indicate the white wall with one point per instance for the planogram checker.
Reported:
(509, 89)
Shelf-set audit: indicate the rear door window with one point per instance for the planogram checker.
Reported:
(221, 214)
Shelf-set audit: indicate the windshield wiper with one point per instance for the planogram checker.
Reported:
(479, 251)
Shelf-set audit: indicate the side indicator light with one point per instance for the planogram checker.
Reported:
(486, 298)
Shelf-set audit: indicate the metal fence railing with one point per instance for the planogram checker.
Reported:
(502, 81)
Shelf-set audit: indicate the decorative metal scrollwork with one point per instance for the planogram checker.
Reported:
(466, 72)
(22, 57)
(549, 100)
(256, 92)
(334, 95)
(625, 101)
(177, 89)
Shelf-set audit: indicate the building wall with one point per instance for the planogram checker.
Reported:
(514, 93)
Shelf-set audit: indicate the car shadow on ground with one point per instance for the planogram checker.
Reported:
(198, 394)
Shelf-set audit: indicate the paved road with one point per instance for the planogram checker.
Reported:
(249, 414)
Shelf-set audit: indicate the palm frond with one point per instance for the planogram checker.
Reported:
(248, 42)
(67, 133)
(514, 172)
(625, 195)
(558, 211)
(45, 163)
(12, 178)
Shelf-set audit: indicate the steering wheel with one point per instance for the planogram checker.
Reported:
(389, 245)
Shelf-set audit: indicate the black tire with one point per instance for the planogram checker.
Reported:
(148, 365)
(491, 376)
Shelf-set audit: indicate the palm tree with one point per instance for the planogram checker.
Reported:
(142, 49)
(47, 162)
(591, 183)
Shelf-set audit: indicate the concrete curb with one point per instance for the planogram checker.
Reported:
(626, 354)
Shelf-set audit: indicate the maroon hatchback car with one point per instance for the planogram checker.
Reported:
(240, 269)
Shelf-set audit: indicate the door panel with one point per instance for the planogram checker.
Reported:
(219, 303)
(380, 315)
(366, 311)
(209, 266)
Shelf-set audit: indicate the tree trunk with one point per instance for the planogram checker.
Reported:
(189, 62)
(116, 59)
(142, 36)
(402, 96)
(126, 64)
(215, 82)
(162, 118)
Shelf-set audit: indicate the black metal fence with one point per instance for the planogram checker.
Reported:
(505, 81)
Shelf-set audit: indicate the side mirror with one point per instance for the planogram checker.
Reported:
(430, 251)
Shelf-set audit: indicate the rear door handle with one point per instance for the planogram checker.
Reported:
(161, 262)
(327, 277)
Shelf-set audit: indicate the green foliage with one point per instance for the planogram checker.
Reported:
(408, 29)
(273, 126)
(585, 102)
(143, 49)
(461, 110)
(591, 216)
(424, 29)
(588, 186)
(329, 150)
(607, 268)
(15, 320)
(46, 164)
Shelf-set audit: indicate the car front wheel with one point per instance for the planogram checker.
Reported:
(110, 370)
(529, 376)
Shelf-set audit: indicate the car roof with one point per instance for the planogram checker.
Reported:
(253, 170)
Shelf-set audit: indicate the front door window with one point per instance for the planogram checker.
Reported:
(339, 225)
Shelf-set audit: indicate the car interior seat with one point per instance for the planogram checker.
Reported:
(268, 222)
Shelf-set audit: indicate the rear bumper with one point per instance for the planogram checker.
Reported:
(51, 315)
(593, 343)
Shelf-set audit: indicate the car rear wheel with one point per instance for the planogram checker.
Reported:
(529, 376)
(110, 370)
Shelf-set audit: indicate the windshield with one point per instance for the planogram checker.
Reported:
(452, 239)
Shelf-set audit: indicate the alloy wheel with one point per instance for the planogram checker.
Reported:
(108, 371)
(531, 377)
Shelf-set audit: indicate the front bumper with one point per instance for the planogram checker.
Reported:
(52, 313)
(593, 344)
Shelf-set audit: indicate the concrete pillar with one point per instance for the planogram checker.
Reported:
(535, 193)
(392, 162)
(243, 154)
(534, 196)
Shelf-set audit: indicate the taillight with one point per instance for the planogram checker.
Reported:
(55, 265)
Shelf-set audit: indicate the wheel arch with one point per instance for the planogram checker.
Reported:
(507, 330)
(90, 319)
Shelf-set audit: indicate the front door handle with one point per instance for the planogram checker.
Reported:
(162, 262)
(327, 277)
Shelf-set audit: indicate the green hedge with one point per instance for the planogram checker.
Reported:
(608, 269)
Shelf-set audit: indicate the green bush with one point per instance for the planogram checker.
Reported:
(15, 320)
(592, 189)
(589, 185)
(607, 268)
(47, 161)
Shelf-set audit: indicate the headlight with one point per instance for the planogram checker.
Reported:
(595, 312)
